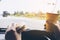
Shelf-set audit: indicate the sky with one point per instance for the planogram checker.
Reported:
(29, 5)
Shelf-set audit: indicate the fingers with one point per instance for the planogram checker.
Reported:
(17, 25)
(9, 27)
(13, 26)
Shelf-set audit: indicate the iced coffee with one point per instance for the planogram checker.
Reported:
(51, 17)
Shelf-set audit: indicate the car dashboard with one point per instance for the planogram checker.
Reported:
(2, 33)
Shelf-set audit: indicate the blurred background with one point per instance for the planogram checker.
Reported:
(31, 13)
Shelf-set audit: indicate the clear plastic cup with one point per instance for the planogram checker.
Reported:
(52, 17)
